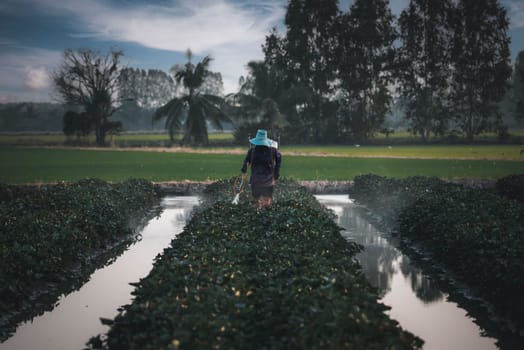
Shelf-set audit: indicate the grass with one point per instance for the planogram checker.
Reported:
(491, 152)
(30, 165)
(222, 143)
(226, 139)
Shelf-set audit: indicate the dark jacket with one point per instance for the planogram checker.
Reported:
(265, 165)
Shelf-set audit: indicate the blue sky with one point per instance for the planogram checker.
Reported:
(152, 34)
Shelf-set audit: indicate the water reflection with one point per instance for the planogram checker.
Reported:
(77, 317)
(380, 259)
(424, 286)
(415, 299)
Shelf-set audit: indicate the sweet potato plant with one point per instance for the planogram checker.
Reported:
(238, 278)
(476, 234)
(53, 237)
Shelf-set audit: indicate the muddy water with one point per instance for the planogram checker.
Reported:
(415, 300)
(77, 317)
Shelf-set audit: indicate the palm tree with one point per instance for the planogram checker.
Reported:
(190, 112)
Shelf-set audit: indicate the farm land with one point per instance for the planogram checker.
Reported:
(44, 160)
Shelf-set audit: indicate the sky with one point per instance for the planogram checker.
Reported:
(153, 34)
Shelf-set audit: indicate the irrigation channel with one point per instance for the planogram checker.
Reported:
(77, 317)
(415, 301)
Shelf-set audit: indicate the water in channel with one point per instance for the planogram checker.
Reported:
(416, 302)
(77, 317)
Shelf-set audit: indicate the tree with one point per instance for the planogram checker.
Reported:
(310, 53)
(425, 64)
(258, 95)
(481, 60)
(78, 124)
(148, 89)
(212, 85)
(517, 86)
(365, 65)
(90, 80)
(190, 112)
(256, 105)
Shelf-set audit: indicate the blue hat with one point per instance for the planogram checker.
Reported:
(262, 140)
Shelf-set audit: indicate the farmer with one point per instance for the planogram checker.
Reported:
(264, 160)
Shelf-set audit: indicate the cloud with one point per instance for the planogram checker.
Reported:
(15, 55)
(199, 26)
(36, 78)
(515, 12)
(233, 60)
(25, 72)
(231, 32)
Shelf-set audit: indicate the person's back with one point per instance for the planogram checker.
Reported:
(265, 164)
(262, 166)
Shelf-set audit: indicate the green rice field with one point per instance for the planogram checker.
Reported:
(33, 165)
(481, 152)
(396, 140)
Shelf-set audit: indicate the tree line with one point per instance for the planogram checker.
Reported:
(333, 76)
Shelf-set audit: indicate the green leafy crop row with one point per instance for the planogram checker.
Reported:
(475, 233)
(52, 238)
(512, 186)
(238, 278)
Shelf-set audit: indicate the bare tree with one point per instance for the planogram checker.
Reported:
(88, 79)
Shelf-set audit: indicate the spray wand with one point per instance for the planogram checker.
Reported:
(239, 184)
(238, 187)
